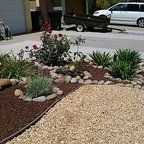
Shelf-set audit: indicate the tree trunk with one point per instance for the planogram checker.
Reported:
(45, 6)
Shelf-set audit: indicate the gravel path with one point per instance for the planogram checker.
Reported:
(91, 115)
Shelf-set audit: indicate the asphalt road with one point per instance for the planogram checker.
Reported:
(132, 38)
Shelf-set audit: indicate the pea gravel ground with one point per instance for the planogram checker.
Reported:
(91, 115)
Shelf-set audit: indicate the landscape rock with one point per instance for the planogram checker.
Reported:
(95, 82)
(56, 67)
(59, 92)
(45, 67)
(55, 89)
(18, 92)
(101, 82)
(50, 68)
(5, 82)
(142, 88)
(72, 68)
(108, 83)
(13, 81)
(78, 77)
(133, 82)
(87, 81)
(119, 80)
(128, 85)
(52, 96)
(74, 80)
(68, 79)
(139, 82)
(40, 99)
(61, 80)
(81, 81)
(119, 84)
(28, 99)
(94, 66)
(54, 75)
(137, 86)
(100, 67)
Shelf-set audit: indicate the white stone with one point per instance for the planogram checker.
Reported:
(72, 68)
(81, 81)
(52, 96)
(78, 77)
(119, 79)
(95, 82)
(68, 79)
(85, 77)
(50, 68)
(141, 64)
(101, 82)
(106, 68)
(142, 88)
(108, 83)
(59, 92)
(119, 84)
(90, 63)
(95, 66)
(88, 81)
(45, 67)
(138, 71)
(28, 99)
(100, 67)
(60, 80)
(14, 81)
(56, 67)
(74, 80)
(128, 85)
(134, 82)
(137, 86)
(18, 92)
(55, 89)
(40, 99)
(54, 75)
(37, 64)
(139, 82)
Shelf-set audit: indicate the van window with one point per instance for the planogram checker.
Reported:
(120, 7)
(132, 7)
(142, 8)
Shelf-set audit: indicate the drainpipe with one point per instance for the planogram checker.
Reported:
(63, 7)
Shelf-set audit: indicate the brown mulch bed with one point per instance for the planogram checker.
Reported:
(16, 113)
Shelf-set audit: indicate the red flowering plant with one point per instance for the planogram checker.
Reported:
(54, 49)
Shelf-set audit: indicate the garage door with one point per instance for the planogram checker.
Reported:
(13, 14)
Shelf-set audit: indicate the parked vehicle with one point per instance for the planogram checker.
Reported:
(87, 21)
(124, 13)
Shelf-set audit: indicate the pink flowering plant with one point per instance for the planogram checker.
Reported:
(54, 49)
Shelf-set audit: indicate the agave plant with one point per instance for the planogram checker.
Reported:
(128, 56)
(123, 70)
(99, 58)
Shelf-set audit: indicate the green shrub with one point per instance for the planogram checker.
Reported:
(99, 58)
(15, 68)
(122, 69)
(128, 56)
(40, 87)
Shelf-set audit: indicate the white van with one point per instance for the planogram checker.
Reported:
(125, 13)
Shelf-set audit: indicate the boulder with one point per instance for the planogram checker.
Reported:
(14, 81)
(18, 92)
(59, 92)
(40, 99)
(81, 81)
(52, 96)
(108, 83)
(68, 79)
(74, 80)
(88, 82)
(5, 82)
(101, 82)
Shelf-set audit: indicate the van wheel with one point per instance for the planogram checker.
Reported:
(140, 22)
(80, 28)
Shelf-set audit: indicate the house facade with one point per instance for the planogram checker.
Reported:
(16, 14)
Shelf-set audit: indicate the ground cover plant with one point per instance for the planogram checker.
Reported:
(41, 86)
